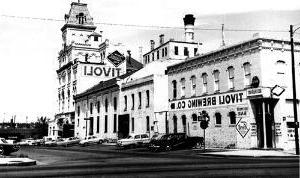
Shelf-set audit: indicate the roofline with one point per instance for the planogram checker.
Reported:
(170, 41)
(89, 27)
(226, 48)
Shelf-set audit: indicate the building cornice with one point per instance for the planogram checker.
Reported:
(69, 64)
(226, 53)
(137, 83)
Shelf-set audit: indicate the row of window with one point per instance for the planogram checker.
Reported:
(217, 116)
(164, 52)
(216, 76)
(97, 105)
(139, 100)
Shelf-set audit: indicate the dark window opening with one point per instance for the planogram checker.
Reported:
(148, 123)
(132, 124)
(176, 50)
(186, 51)
(98, 123)
(95, 38)
(218, 118)
(148, 98)
(115, 103)
(105, 124)
(106, 105)
(115, 123)
(232, 117)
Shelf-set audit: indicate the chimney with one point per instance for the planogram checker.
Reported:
(141, 54)
(189, 21)
(161, 39)
(152, 43)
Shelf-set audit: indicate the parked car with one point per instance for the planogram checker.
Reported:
(7, 148)
(174, 141)
(50, 143)
(91, 140)
(68, 141)
(133, 141)
(28, 141)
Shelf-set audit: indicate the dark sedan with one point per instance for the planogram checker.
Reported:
(174, 141)
(7, 148)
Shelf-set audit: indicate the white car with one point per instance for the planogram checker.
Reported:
(68, 141)
(133, 140)
(29, 141)
(91, 140)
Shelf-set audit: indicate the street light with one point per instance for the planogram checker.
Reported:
(294, 89)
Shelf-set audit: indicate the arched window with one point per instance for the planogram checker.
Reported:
(216, 80)
(193, 85)
(174, 88)
(232, 117)
(183, 118)
(218, 118)
(175, 124)
(204, 81)
(182, 91)
(106, 105)
(91, 108)
(280, 67)
(230, 77)
(247, 73)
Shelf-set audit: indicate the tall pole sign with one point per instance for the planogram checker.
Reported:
(294, 90)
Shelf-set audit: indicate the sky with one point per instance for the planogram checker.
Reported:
(29, 48)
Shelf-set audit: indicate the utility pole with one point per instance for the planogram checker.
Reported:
(296, 125)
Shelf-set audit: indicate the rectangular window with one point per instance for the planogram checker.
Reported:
(132, 99)
(186, 51)
(78, 111)
(166, 51)
(132, 124)
(91, 108)
(204, 79)
(152, 56)
(230, 77)
(95, 38)
(157, 54)
(193, 86)
(163, 52)
(182, 81)
(176, 50)
(106, 105)
(115, 103)
(125, 103)
(174, 84)
(98, 106)
(115, 123)
(148, 123)
(77, 122)
(105, 124)
(140, 100)
(98, 123)
(195, 51)
(147, 98)
(216, 78)
(247, 79)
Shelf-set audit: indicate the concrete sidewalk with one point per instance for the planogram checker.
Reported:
(16, 162)
(247, 153)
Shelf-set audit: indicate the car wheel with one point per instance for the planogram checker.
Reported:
(100, 142)
(1, 150)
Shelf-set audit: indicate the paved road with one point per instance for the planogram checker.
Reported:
(106, 161)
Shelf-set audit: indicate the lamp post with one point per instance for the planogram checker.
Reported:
(292, 31)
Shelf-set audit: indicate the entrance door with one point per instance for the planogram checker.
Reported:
(123, 126)
(269, 122)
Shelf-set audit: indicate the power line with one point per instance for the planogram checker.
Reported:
(150, 26)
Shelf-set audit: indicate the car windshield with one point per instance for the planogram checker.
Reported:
(129, 137)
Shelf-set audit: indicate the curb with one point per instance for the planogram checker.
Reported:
(17, 162)
(247, 156)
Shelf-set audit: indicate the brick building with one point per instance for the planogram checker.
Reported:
(245, 89)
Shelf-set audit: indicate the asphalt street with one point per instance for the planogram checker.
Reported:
(107, 161)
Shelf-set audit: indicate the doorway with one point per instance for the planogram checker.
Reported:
(264, 108)
(123, 126)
